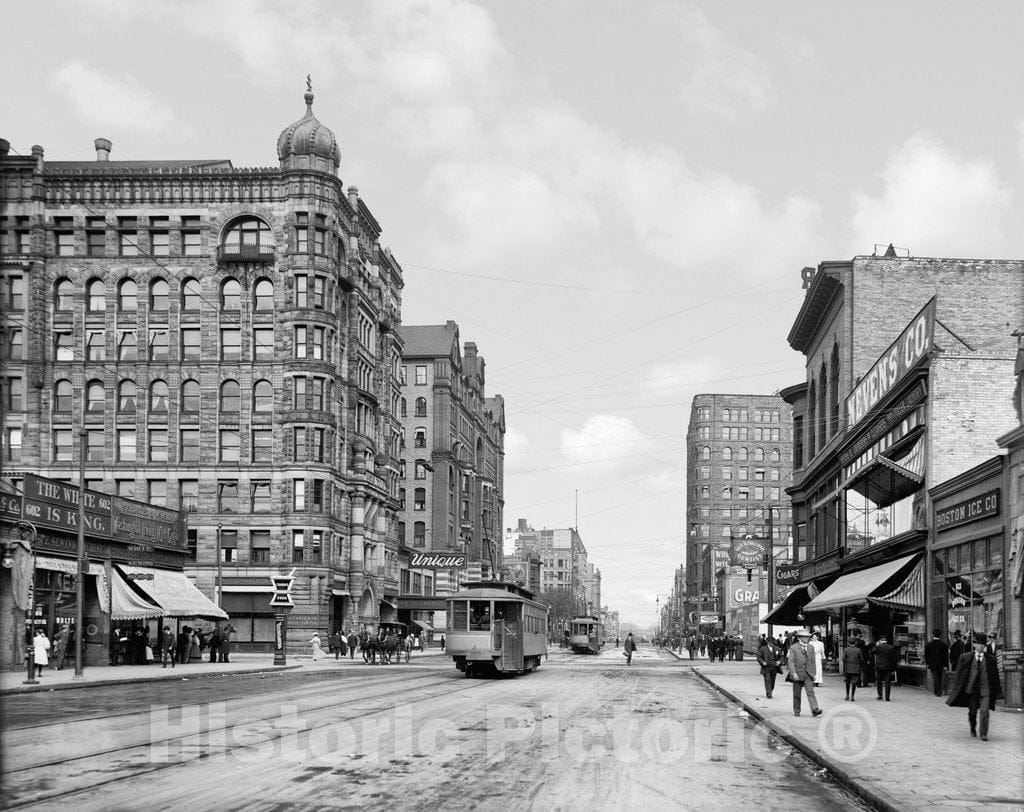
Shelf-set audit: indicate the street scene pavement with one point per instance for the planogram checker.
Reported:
(583, 732)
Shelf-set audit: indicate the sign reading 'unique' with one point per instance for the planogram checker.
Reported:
(437, 560)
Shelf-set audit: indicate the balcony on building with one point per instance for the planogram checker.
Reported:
(251, 252)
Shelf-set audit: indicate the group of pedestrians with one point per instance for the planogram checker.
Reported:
(715, 647)
(52, 653)
(188, 645)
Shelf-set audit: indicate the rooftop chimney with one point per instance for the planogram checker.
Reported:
(103, 147)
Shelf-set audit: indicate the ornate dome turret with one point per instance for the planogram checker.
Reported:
(308, 144)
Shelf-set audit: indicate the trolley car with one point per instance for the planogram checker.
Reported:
(496, 627)
(586, 634)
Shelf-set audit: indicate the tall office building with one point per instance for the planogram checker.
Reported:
(738, 464)
(226, 338)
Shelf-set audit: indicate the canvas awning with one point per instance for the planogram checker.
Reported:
(909, 594)
(786, 613)
(127, 604)
(856, 587)
(424, 625)
(886, 481)
(388, 603)
(172, 591)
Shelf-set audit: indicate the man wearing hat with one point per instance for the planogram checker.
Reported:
(802, 672)
(956, 650)
(936, 657)
(976, 686)
(885, 666)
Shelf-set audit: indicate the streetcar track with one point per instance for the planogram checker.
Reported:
(184, 760)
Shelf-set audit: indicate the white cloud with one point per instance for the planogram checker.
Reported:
(683, 376)
(935, 203)
(112, 102)
(606, 441)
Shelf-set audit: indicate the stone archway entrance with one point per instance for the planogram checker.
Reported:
(367, 608)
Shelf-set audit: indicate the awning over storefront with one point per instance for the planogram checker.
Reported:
(174, 592)
(909, 594)
(788, 612)
(127, 604)
(856, 587)
(388, 603)
(885, 480)
(424, 625)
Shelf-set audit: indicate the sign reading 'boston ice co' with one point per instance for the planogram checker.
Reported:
(913, 344)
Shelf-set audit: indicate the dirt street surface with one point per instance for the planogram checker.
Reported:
(583, 732)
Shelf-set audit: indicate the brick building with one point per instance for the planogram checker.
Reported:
(564, 562)
(452, 468)
(909, 375)
(738, 462)
(227, 339)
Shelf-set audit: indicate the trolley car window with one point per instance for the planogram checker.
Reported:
(479, 616)
(458, 616)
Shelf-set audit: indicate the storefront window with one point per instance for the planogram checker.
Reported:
(974, 593)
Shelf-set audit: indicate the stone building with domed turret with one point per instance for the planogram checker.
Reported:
(224, 341)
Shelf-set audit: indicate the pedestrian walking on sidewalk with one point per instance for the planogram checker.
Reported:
(60, 647)
(768, 659)
(352, 641)
(936, 657)
(852, 667)
(976, 686)
(800, 661)
(169, 649)
(314, 643)
(957, 649)
(885, 666)
(628, 647)
(214, 644)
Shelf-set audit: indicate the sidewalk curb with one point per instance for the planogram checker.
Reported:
(876, 799)
(71, 686)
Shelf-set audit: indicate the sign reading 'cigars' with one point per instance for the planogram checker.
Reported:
(913, 344)
(437, 560)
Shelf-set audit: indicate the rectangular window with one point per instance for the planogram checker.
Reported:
(188, 495)
(94, 446)
(191, 344)
(160, 243)
(229, 445)
(260, 497)
(158, 345)
(227, 496)
(15, 344)
(318, 343)
(63, 445)
(318, 446)
(228, 545)
(158, 445)
(298, 546)
(263, 343)
(262, 445)
(126, 445)
(125, 488)
(298, 494)
(127, 346)
(421, 375)
(191, 238)
(317, 496)
(230, 344)
(12, 444)
(96, 345)
(189, 446)
(65, 243)
(128, 243)
(300, 342)
(13, 394)
(302, 291)
(299, 444)
(259, 546)
(316, 397)
(96, 243)
(316, 544)
(157, 492)
(318, 292)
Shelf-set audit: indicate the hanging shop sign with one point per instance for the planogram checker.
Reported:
(53, 504)
(749, 551)
(436, 561)
(971, 510)
(787, 574)
(913, 344)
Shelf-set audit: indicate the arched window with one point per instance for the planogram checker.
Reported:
(191, 294)
(263, 397)
(727, 453)
(63, 396)
(158, 395)
(758, 454)
(248, 236)
(63, 295)
(230, 397)
(263, 296)
(158, 290)
(744, 454)
(727, 491)
(230, 295)
(190, 397)
(822, 406)
(126, 393)
(95, 397)
(775, 455)
(811, 419)
(834, 392)
(96, 301)
(421, 407)
(128, 296)
(705, 453)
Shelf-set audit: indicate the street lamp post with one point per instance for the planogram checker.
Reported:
(28, 533)
(219, 556)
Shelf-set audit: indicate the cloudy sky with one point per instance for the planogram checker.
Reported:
(612, 199)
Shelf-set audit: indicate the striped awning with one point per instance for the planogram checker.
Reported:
(855, 588)
(885, 481)
(127, 604)
(909, 594)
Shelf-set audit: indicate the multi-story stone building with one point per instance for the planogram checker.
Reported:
(227, 340)
(452, 466)
(909, 380)
(738, 462)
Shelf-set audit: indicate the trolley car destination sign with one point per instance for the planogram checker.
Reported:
(437, 560)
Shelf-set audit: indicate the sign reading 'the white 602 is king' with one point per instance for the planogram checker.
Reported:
(914, 343)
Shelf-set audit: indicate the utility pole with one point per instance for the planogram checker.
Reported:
(81, 568)
(771, 567)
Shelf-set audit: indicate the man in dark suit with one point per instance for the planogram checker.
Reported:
(885, 666)
(976, 686)
(858, 641)
(990, 647)
(956, 650)
(936, 657)
(802, 674)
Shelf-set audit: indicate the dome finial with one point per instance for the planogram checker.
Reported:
(309, 93)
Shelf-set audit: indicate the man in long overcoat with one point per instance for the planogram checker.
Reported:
(976, 686)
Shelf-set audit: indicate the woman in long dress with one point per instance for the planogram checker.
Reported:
(318, 652)
(819, 656)
(40, 649)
